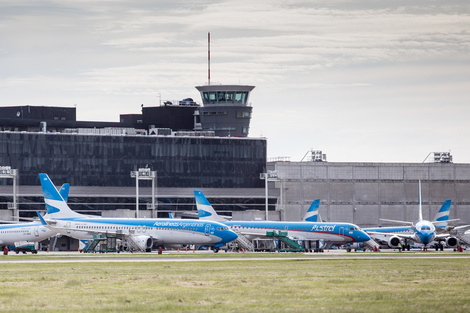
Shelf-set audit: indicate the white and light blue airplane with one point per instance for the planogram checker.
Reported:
(142, 231)
(421, 231)
(338, 233)
(23, 234)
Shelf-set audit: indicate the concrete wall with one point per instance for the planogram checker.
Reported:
(364, 193)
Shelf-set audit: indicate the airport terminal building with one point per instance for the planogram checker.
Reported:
(365, 193)
(191, 146)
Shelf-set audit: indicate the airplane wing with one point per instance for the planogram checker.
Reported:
(403, 236)
(440, 237)
(9, 222)
(395, 221)
(457, 227)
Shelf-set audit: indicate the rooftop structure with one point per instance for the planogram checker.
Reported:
(227, 110)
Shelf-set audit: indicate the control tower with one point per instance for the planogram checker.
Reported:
(226, 109)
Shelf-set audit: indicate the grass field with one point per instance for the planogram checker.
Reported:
(314, 285)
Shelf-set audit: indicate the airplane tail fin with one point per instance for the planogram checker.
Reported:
(205, 209)
(64, 191)
(442, 217)
(312, 213)
(55, 203)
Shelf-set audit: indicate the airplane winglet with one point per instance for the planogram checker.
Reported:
(43, 222)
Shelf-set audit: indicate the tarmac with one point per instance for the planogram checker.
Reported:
(209, 256)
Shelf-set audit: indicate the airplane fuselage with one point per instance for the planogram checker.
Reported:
(32, 232)
(163, 231)
(424, 231)
(331, 232)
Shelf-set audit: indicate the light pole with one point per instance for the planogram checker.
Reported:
(268, 176)
(144, 174)
(8, 172)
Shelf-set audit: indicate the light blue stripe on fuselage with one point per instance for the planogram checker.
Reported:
(10, 226)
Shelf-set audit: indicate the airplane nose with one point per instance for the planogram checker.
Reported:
(427, 238)
(365, 236)
(231, 236)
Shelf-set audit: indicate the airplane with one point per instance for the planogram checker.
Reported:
(313, 215)
(143, 232)
(23, 234)
(20, 234)
(421, 231)
(338, 233)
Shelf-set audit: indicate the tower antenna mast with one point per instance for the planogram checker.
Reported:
(209, 58)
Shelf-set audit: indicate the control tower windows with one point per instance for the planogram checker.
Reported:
(240, 97)
(225, 97)
(212, 97)
(209, 97)
(230, 96)
(221, 96)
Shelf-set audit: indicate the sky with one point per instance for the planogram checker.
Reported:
(363, 81)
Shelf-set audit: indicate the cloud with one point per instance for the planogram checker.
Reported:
(343, 72)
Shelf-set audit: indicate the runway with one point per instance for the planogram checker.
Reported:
(207, 256)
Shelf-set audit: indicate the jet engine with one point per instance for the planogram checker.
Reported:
(145, 243)
(452, 242)
(394, 241)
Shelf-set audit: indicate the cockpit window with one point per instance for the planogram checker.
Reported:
(425, 228)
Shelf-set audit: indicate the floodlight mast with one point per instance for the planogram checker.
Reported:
(144, 174)
(8, 172)
(268, 176)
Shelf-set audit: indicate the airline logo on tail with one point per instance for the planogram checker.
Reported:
(312, 213)
(205, 210)
(55, 203)
(442, 217)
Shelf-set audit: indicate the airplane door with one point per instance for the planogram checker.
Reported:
(207, 230)
(36, 231)
(341, 231)
(67, 226)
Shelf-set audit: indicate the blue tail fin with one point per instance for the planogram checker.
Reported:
(312, 213)
(442, 217)
(205, 209)
(55, 203)
(64, 191)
